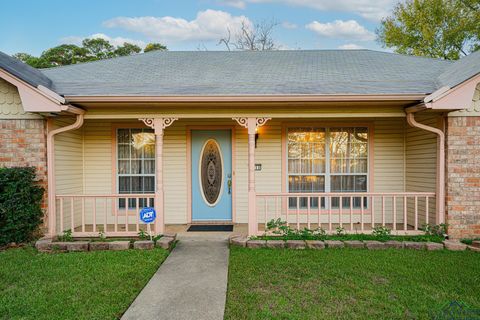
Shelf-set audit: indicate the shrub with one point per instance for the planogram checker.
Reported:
(20, 205)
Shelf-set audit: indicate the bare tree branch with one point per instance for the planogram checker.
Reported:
(252, 38)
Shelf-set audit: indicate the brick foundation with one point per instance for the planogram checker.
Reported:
(23, 144)
(463, 177)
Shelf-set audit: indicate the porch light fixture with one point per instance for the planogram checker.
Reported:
(256, 137)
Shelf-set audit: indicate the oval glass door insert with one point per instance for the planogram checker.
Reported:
(211, 171)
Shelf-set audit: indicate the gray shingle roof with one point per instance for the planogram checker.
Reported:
(23, 71)
(251, 73)
(461, 70)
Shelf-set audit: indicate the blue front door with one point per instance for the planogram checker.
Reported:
(211, 175)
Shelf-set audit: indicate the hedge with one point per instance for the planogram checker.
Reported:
(20, 205)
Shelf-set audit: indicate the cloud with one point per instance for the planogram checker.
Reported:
(349, 29)
(239, 4)
(116, 41)
(208, 25)
(350, 46)
(289, 25)
(373, 10)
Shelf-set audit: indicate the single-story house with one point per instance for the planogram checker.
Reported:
(355, 139)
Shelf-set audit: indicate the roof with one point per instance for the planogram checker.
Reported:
(23, 71)
(221, 73)
(200, 73)
(463, 69)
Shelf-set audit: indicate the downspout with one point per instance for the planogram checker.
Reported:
(51, 169)
(440, 187)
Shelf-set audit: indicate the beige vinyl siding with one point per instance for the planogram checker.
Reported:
(421, 163)
(388, 160)
(68, 168)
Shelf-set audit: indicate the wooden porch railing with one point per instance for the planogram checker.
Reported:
(403, 212)
(112, 215)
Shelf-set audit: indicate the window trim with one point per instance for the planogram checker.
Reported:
(328, 124)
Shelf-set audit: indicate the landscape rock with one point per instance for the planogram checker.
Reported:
(77, 246)
(315, 244)
(476, 244)
(143, 245)
(394, 244)
(334, 244)
(454, 245)
(59, 246)
(256, 243)
(98, 246)
(296, 244)
(374, 245)
(354, 244)
(414, 245)
(472, 248)
(165, 242)
(240, 241)
(119, 245)
(275, 244)
(431, 246)
(170, 235)
(44, 245)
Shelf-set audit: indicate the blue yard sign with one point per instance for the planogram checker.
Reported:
(148, 215)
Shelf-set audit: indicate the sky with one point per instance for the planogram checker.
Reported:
(32, 26)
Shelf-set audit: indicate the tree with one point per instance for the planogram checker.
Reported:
(155, 46)
(91, 50)
(99, 48)
(446, 29)
(64, 54)
(127, 50)
(256, 37)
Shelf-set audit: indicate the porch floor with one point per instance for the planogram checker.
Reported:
(242, 228)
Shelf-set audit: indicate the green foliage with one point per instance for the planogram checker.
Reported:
(278, 229)
(66, 236)
(444, 29)
(143, 235)
(101, 235)
(20, 205)
(91, 50)
(155, 46)
(435, 230)
(340, 231)
(382, 233)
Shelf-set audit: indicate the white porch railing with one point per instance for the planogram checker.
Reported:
(113, 214)
(403, 212)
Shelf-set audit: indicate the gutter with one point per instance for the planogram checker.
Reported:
(51, 168)
(440, 172)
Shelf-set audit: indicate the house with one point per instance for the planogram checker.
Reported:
(324, 138)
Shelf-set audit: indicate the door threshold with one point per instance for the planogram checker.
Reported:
(213, 222)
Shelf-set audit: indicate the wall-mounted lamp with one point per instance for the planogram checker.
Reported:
(256, 137)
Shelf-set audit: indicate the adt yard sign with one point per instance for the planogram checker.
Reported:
(148, 215)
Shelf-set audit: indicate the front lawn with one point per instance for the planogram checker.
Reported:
(84, 285)
(348, 283)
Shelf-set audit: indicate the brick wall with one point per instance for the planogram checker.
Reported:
(463, 176)
(23, 143)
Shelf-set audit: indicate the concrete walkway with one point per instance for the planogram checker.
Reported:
(190, 284)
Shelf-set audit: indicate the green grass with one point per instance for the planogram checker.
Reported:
(85, 285)
(348, 283)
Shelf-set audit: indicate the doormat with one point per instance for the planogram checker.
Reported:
(211, 227)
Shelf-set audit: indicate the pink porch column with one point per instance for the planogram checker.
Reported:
(251, 124)
(159, 125)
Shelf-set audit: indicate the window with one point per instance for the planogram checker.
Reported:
(135, 164)
(327, 160)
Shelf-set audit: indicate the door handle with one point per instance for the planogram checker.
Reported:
(229, 183)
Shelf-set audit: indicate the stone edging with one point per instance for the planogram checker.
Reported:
(242, 241)
(48, 245)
